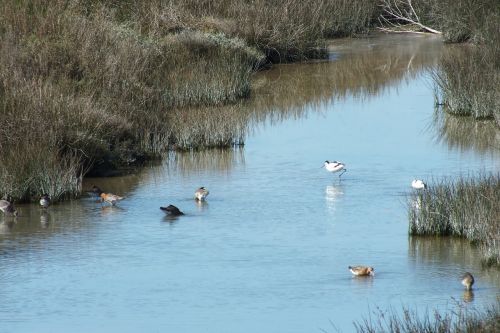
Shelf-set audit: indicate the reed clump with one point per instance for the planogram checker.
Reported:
(462, 320)
(467, 207)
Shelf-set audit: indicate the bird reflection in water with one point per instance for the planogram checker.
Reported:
(332, 194)
(44, 219)
(468, 296)
(6, 227)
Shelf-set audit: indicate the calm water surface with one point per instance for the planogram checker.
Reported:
(269, 250)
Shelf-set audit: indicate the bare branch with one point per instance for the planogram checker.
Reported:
(396, 11)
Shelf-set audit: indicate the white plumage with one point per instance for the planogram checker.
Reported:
(335, 167)
(418, 184)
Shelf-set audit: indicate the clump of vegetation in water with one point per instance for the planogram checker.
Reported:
(462, 320)
(467, 207)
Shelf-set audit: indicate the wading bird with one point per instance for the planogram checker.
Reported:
(335, 167)
(110, 198)
(418, 184)
(45, 200)
(201, 194)
(96, 190)
(7, 207)
(467, 280)
(172, 210)
(362, 270)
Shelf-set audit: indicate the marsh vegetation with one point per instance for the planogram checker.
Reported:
(460, 320)
(467, 207)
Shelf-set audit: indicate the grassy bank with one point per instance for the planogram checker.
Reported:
(90, 86)
(467, 207)
(462, 320)
(468, 84)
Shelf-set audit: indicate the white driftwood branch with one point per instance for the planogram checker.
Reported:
(395, 11)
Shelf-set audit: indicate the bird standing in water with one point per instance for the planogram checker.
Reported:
(335, 167)
(201, 194)
(7, 207)
(110, 198)
(45, 201)
(467, 280)
(362, 270)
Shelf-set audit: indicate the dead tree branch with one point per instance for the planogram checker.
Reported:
(398, 15)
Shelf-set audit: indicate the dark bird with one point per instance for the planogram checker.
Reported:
(96, 190)
(172, 210)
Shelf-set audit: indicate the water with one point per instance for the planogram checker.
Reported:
(269, 250)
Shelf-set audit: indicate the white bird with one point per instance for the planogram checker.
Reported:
(7, 207)
(201, 194)
(335, 167)
(418, 184)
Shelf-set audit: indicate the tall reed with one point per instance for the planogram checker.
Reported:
(462, 320)
(467, 207)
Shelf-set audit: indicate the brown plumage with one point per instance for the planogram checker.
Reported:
(467, 280)
(110, 198)
(362, 270)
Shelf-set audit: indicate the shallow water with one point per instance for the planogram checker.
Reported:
(269, 250)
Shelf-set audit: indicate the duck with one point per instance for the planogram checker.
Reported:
(7, 207)
(467, 280)
(172, 210)
(110, 198)
(45, 201)
(201, 194)
(362, 270)
(334, 167)
(418, 184)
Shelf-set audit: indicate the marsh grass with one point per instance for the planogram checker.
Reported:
(467, 207)
(97, 85)
(463, 320)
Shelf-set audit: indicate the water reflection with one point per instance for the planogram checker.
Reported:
(6, 227)
(468, 296)
(44, 218)
(464, 133)
(332, 194)
(218, 160)
(441, 251)
(362, 68)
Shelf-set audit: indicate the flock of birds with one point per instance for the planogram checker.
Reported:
(201, 195)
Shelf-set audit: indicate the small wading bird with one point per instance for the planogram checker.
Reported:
(110, 198)
(335, 167)
(467, 280)
(96, 190)
(201, 194)
(418, 184)
(7, 207)
(362, 270)
(45, 201)
(172, 210)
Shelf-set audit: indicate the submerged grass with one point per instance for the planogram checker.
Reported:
(462, 320)
(467, 207)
